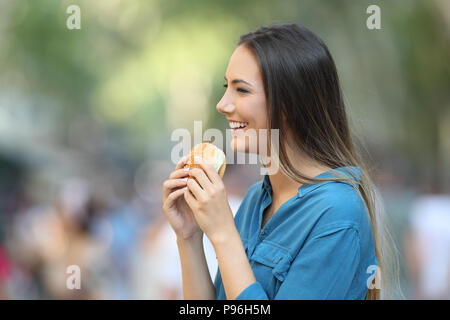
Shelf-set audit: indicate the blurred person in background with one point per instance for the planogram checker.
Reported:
(46, 239)
(427, 246)
(155, 264)
(5, 271)
(80, 228)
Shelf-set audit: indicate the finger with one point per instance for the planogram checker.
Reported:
(174, 183)
(196, 190)
(174, 196)
(209, 170)
(190, 200)
(181, 163)
(180, 173)
(201, 178)
(171, 184)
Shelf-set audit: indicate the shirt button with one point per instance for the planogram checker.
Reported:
(262, 232)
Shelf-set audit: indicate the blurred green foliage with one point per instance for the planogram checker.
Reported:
(138, 69)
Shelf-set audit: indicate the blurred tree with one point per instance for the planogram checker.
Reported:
(135, 67)
(422, 39)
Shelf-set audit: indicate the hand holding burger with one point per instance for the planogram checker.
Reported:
(204, 205)
(178, 213)
(206, 195)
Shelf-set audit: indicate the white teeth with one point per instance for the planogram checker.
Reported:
(235, 125)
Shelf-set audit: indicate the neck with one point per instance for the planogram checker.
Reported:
(285, 187)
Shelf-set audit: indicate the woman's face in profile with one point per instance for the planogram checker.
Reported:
(244, 101)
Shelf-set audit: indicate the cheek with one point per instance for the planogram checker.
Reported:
(255, 112)
(262, 112)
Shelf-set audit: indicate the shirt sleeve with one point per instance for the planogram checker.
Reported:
(323, 269)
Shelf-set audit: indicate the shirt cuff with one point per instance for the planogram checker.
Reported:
(253, 292)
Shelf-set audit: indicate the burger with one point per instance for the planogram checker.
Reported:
(209, 153)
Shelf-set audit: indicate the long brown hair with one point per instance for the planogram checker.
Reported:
(305, 102)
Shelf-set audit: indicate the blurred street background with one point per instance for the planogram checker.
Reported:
(86, 118)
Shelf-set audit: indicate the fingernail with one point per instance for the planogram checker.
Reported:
(185, 179)
(198, 158)
(186, 169)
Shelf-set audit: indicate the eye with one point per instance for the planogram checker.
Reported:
(242, 90)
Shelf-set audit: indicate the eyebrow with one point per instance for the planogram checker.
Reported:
(239, 81)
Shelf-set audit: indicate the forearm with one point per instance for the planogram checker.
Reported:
(197, 283)
(234, 266)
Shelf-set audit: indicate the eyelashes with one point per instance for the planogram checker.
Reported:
(242, 90)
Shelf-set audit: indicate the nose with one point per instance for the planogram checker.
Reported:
(225, 105)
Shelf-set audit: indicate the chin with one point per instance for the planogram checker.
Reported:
(241, 144)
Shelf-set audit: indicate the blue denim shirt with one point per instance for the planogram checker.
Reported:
(317, 245)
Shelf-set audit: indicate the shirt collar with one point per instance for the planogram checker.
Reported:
(351, 172)
(266, 184)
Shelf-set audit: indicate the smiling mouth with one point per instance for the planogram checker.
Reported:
(237, 126)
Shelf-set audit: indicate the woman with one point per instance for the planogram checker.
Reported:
(307, 231)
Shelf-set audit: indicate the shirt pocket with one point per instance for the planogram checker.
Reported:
(270, 263)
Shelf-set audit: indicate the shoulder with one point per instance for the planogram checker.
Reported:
(339, 206)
